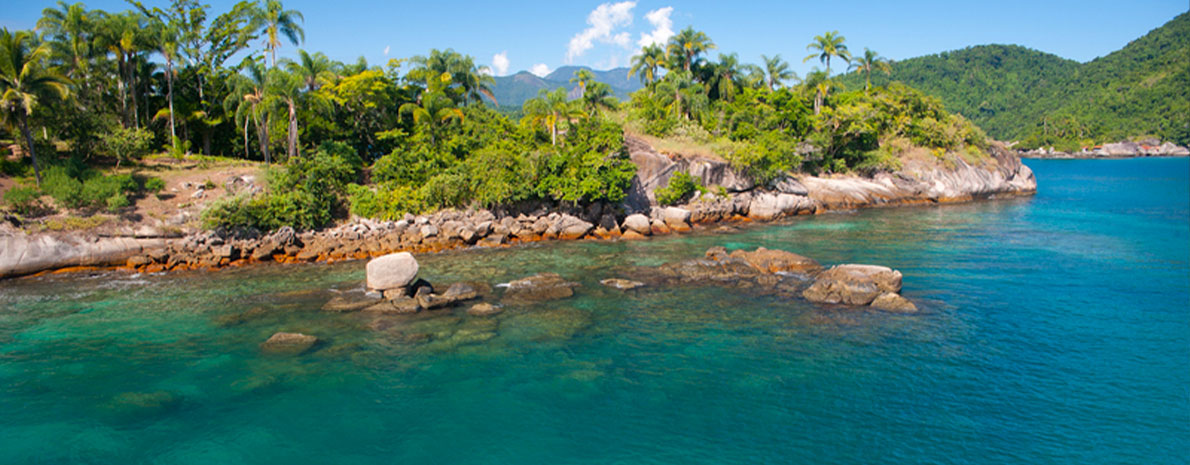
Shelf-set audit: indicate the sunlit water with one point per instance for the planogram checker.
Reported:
(1054, 329)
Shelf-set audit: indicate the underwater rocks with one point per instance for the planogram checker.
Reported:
(539, 288)
(621, 284)
(778, 272)
(288, 344)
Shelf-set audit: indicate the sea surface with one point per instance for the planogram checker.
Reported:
(1053, 329)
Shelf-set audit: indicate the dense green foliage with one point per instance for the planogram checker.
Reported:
(679, 188)
(420, 134)
(1015, 93)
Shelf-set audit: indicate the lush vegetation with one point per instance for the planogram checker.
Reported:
(748, 115)
(1039, 99)
(91, 88)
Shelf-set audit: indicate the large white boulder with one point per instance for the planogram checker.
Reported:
(639, 223)
(392, 271)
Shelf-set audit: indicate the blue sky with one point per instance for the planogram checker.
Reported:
(547, 34)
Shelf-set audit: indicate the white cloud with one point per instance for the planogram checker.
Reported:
(500, 63)
(603, 21)
(663, 27)
(540, 69)
(386, 47)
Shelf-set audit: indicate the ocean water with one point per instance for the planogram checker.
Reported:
(1054, 329)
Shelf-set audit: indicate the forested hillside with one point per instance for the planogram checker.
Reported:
(1015, 93)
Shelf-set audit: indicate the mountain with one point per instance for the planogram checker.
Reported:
(1016, 93)
(512, 91)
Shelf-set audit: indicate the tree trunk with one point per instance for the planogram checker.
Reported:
(247, 154)
(554, 131)
(169, 79)
(293, 131)
(123, 88)
(262, 136)
(132, 87)
(24, 120)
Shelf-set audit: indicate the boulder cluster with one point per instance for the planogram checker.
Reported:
(364, 238)
(786, 274)
(395, 293)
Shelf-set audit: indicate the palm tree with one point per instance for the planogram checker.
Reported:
(315, 69)
(72, 27)
(821, 84)
(777, 71)
(829, 44)
(549, 109)
(725, 76)
(647, 62)
(284, 92)
(598, 95)
(688, 45)
(24, 81)
(248, 99)
(583, 77)
(280, 22)
(871, 61)
(165, 34)
(123, 35)
(453, 69)
(433, 111)
(684, 89)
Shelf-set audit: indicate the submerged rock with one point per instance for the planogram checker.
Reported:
(391, 271)
(484, 309)
(621, 284)
(774, 261)
(345, 304)
(892, 302)
(539, 288)
(853, 284)
(288, 343)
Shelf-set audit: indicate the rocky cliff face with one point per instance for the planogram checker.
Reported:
(952, 179)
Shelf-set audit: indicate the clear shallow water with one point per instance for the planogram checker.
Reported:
(1055, 329)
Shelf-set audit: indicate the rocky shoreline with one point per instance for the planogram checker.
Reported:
(918, 182)
(1116, 150)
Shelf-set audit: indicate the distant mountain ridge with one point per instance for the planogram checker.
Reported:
(512, 91)
(1016, 93)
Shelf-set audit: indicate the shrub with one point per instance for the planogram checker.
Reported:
(117, 201)
(154, 185)
(66, 190)
(127, 143)
(23, 200)
(679, 188)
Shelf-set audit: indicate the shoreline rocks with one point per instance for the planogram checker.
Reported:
(916, 183)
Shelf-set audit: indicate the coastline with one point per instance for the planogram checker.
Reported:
(918, 182)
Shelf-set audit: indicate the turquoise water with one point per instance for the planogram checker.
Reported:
(1054, 329)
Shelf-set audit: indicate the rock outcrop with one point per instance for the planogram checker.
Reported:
(853, 284)
(392, 271)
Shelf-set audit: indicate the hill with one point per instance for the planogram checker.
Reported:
(1016, 93)
(512, 91)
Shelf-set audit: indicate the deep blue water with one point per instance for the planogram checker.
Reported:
(1054, 329)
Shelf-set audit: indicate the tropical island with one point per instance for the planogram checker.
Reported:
(167, 138)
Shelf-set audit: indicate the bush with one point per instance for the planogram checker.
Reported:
(23, 200)
(127, 143)
(679, 188)
(305, 194)
(154, 185)
(66, 190)
(117, 201)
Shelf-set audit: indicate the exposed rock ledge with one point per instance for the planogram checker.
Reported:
(952, 180)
